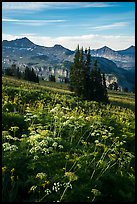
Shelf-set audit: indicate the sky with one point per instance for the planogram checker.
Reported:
(89, 24)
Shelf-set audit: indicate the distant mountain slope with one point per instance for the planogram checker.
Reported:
(24, 52)
(125, 78)
(123, 58)
(129, 51)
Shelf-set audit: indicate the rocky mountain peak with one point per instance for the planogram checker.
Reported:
(21, 42)
(24, 39)
(105, 48)
(129, 51)
(59, 47)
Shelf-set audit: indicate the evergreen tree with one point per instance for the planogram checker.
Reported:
(66, 79)
(79, 73)
(115, 86)
(30, 75)
(110, 86)
(81, 76)
(87, 74)
(86, 50)
(52, 78)
(98, 87)
(18, 73)
(13, 70)
(105, 94)
(37, 79)
(27, 74)
(74, 72)
(8, 72)
(89, 84)
(93, 82)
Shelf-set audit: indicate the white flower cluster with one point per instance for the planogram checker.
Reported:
(7, 147)
(9, 137)
(42, 143)
(56, 186)
(33, 188)
(54, 110)
(41, 176)
(47, 191)
(68, 185)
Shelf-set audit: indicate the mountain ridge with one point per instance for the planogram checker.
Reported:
(24, 52)
(123, 58)
(27, 39)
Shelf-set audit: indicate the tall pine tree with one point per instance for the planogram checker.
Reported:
(98, 89)
(86, 82)
(81, 77)
(30, 75)
(74, 72)
(87, 74)
(105, 94)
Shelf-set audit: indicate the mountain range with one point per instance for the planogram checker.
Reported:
(119, 64)
(25, 51)
(123, 58)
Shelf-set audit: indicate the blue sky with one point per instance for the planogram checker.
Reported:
(89, 24)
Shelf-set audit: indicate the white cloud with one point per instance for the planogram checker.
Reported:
(111, 26)
(53, 5)
(99, 4)
(23, 5)
(32, 22)
(9, 20)
(93, 41)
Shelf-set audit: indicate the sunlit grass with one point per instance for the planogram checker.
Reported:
(122, 99)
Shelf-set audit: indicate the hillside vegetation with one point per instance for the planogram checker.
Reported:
(58, 147)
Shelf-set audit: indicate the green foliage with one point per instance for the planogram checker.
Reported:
(10, 184)
(14, 119)
(28, 74)
(85, 81)
(68, 150)
(98, 89)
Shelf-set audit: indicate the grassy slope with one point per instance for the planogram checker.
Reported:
(126, 100)
(78, 130)
(49, 86)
